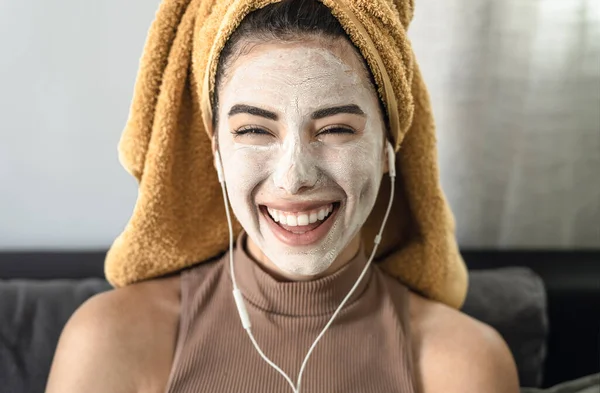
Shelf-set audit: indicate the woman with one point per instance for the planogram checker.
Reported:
(299, 133)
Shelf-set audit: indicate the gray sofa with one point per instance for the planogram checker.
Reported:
(36, 303)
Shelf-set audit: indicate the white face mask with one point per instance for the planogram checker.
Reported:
(297, 169)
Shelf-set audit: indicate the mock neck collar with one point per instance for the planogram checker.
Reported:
(296, 298)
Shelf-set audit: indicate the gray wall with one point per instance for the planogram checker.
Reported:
(515, 86)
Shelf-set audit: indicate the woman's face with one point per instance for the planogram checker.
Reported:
(301, 139)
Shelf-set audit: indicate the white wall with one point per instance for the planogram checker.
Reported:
(515, 86)
(67, 71)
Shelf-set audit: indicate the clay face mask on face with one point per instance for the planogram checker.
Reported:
(301, 141)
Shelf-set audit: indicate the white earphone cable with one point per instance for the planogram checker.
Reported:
(238, 295)
(377, 240)
(239, 300)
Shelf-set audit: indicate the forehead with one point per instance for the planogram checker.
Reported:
(303, 75)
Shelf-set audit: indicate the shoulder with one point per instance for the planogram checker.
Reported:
(456, 353)
(115, 335)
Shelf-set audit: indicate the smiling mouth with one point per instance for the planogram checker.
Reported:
(301, 221)
(301, 228)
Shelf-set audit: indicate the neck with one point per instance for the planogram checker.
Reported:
(345, 256)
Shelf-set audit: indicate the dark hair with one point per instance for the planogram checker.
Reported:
(287, 20)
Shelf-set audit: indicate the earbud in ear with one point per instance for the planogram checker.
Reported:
(391, 157)
(219, 167)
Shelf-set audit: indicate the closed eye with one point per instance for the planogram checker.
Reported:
(250, 130)
(337, 130)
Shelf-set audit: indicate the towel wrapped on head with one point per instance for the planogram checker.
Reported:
(179, 217)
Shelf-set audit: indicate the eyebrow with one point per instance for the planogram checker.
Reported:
(319, 114)
(325, 112)
(252, 110)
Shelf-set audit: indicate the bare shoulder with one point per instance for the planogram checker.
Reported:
(456, 353)
(119, 341)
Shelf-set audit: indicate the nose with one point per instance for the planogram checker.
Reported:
(296, 170)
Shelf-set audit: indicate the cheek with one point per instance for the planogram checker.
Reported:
(357, 169)
(245, 168)
(359, 164)
(365, 169)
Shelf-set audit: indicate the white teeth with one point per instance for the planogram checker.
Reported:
(321, 214)
(300, 219)
(283, 219)
(273, 214)
(292, 221)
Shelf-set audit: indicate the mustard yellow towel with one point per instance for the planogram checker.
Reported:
(179, 217)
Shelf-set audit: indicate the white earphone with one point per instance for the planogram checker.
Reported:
(219, 167)
(391, 157)
(237, 294)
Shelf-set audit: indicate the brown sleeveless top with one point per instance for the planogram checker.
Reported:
(367, 348)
